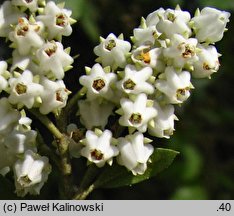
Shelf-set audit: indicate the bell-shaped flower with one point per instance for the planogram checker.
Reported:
(135, 81)
(24, 90)
(175, 85)
(136, 114)
(208, 62)
(112, 51)
(98, 148)
(210, 24)
(18, 142)
(21, 63)
(9, 117)
(4, 75)
(98, 82)
(30, 173)
(174, 22)
(32, 5)
(94, 113)
(54, 96)
(57, 20)
(163, 124)
(53, 60)
(145, 56)
(26, 36)
(133, 153)
(9, 16)
(24, 124)
(153, 18)
(182, 52)
(14, 145)
(145, 35)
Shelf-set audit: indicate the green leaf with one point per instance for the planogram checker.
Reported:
(118, 176)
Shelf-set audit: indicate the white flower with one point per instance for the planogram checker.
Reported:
(94, 113)
(98, 82)
(57, 20)
(135, 81)
(145, 56)
(26, 36)
(153, 18)
(31, 173)
(15, 138)
(176, 86)
(24, 90)
(53, 59)
(54, 96)
(208, 62)
(174, 22)
(181, 51)
(134, 154)
(163, 124)
(32, 5)
(9, 16)
(210, 24)
(24, 123)
(17, 142)
(4, 74)
(9, 117)
(136, 114)
(14, 144)
(98, 148)
(21, 63)
(145, 35)
(112, 51)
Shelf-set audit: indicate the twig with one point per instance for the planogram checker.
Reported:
(85, 193)
(47, 123)
(62, 142)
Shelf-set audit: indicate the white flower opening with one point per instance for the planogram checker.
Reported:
(136, 113)
(98, 148)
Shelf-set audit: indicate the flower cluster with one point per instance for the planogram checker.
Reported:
(32, 79)
(39, 59)
(18, 151)
(128, 95)
(143, 82)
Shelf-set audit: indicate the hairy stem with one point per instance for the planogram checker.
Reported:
(62, 142)
(83, 195)
(46, 150)
(47, 123)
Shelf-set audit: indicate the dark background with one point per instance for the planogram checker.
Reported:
(205, 133)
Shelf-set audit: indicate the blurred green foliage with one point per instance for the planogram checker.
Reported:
(225, 4)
